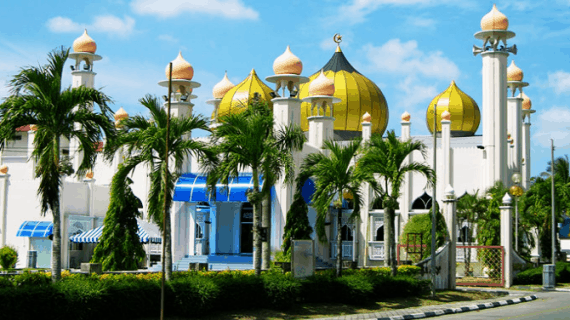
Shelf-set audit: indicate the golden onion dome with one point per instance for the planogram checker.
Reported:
(89, 174)
(4, 169)
(526, 104)
(514, 73)
(239, 96)
(465, 114)
(181, 69)
(84, 44)
(358, 95)
(406, 116)
(288, 63)
(367, 117)
(494, 20)
(121, 114)
(321, 86)
(222, 87)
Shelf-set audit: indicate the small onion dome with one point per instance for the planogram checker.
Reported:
(494, 20)
(181, 69)
(514, 73)
(357, 95)
(84, 44)
(526, 104)
(406, 116)
(321, 86)
(347, 195)
(89, 174)
(465, 114)
(222, 87)
(367, 117)
(235, 100)
(287, 63)
(34, 127)
(4, 169)
(446, 115)
(121, 114)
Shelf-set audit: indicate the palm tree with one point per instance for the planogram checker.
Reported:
(37, 97)
(469, 208)
(144, 141)
(250, 140)
(386, 157)
(335, 174)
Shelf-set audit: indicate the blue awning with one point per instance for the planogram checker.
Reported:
(39, 229)
(145, 234)
(191, 187)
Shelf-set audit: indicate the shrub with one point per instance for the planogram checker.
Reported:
(534, 275)
(6, 282)
(355, 289)
(8, 257)
(32, 279)
(281, 290)
(193, 295)
(238, 290)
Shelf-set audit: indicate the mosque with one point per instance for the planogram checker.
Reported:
(335, 102)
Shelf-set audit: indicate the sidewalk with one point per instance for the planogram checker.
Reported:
(513, 297)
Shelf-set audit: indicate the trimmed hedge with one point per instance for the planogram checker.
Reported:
(534, 275)
(191, 294)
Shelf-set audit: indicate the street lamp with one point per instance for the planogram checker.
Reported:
(516, 191)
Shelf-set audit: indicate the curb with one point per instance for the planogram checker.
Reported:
(474, 307)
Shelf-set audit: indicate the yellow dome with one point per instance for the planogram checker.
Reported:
(121, 114)
(514, 73)
(84, 44)
(287, 63)
(465, 114)
(358, 95)
(181, 69)
(321, 86)
(239, 96)
(494, 20)
(222, 87)
(406, 116)
(526, 104)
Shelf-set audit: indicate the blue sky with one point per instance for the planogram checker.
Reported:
(412, 49)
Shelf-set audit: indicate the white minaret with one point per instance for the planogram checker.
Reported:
(525, 162)
(286, 111)
(494, 53)
(407, 185)
(218, 92)
(321, 120)
(82, 74)
(514, 116)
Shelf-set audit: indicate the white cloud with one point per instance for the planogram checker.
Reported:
(420, 22)
(110, 24)
(167, 38)
(553, 123)
(559, 81)
(415, 93)
(405, 58)
(231, 9)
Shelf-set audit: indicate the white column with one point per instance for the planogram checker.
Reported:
(4, 178)
(361, 236)
(495, 115)
(32, 162)
(526, 151)
(507, 237)
(450, 219)
(407, 184)
(320, 129)
(446, 153)
(515, 129)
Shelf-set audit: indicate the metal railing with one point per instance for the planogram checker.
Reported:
(346, 250)
(376, 250)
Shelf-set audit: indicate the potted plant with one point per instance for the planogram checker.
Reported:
(8, 257)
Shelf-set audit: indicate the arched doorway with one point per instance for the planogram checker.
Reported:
(246, 230)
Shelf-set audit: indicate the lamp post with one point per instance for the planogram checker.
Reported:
(516, 191)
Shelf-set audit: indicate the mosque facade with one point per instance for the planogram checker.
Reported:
(336, 102)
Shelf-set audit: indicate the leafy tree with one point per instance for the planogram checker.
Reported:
(37, 97)
(144, 142)
(469, 208)
(387, 158)
(297, 225)
(250, 140)
(334, 173)
(8, 257)
(119, 246)
(422, 224)
(489, 222)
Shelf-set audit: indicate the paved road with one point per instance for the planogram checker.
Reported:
(549, 305)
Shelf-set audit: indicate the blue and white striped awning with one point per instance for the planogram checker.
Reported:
(92, 236)
(39, 229)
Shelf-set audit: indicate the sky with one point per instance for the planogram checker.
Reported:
(412, 49)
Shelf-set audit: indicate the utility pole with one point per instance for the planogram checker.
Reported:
(552, 200)
(433, 201)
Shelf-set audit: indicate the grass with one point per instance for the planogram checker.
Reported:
(324, 310)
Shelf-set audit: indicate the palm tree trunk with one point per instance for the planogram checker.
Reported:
(390, 240)
(256, 223)
(56, 244)
(266, 224)
(339, 242)
(167, 246)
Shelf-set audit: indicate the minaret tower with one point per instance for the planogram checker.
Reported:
(321, 119)
(220, 89)
(514, 116)
(494, 53)
(82, 74)
(286, 111)
(525, 162)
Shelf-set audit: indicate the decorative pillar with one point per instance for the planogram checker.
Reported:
(449, 203)
(507, 238)
(514, 116)
(90, 188)
(446, 149)
(362, 225)
(321, 120)
(407, 184)
(525, 162)
(494, 53)
(32, 160)
(4, 178)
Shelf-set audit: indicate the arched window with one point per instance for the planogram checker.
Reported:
(346, 233)
(422, 203)
(199, 234)
(380, 234)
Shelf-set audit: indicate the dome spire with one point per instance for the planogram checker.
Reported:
(84, 43)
